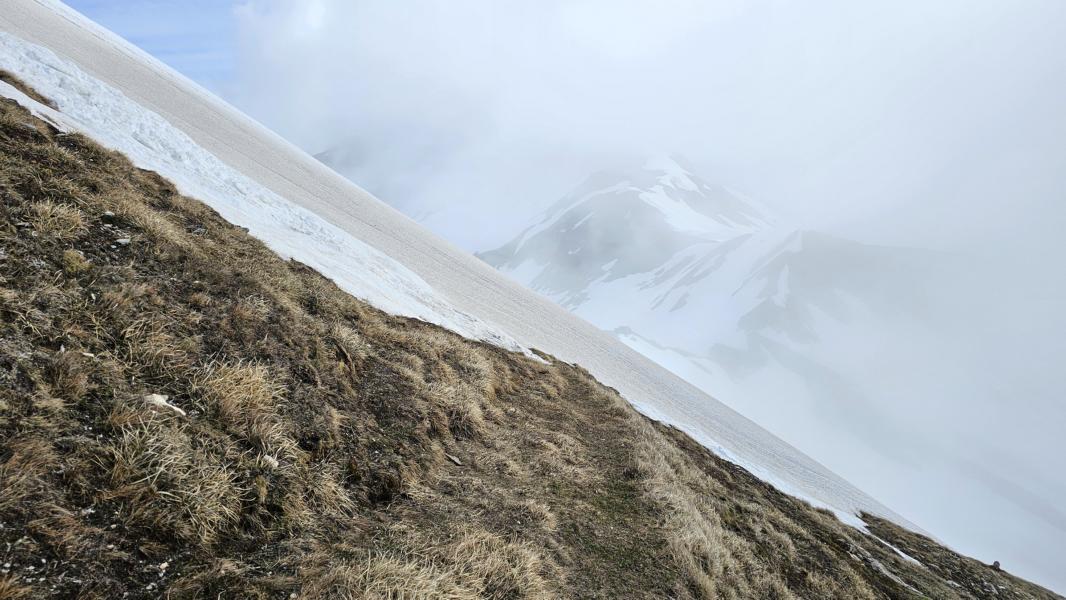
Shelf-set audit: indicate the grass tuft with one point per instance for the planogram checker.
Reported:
(59, 221)
(167, 479)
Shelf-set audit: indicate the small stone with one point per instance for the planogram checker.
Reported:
(163, 565)
(455, 460)
(270, 461)
(160, 401)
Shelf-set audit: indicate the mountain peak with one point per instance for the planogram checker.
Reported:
(674, 174)
(627, 220)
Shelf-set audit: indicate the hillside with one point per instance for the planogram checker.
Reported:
(184, 414)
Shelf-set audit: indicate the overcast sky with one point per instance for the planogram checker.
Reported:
(930, 124)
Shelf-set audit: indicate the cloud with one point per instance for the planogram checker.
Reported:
(830, 110)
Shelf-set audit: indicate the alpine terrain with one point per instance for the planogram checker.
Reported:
(718, 289)
(226, 372)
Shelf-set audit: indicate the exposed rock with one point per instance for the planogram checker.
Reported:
(160, 401)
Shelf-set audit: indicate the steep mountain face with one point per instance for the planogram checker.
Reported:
(711, 285)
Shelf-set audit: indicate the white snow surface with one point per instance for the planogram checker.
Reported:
(128, 100)
(680, 215)
(100, 111)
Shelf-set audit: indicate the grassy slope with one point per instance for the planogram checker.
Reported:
(315, 455)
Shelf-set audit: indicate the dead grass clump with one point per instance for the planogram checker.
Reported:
(381, 577)
(461, 405)
(245, 397)
(125, 294)
(59, 221)
(732, 547)
(199, 300)
(61, 161)
(128, 205)
(350, 343)
(716, 563)
(560, 454)
(251, 309)
(75, 263)
(168, 479)
(498, 568)
(11, 589)
(23, 472)
(153, 350)
(538, 514)
(326, 494)
(471, 565)
(16, 127)
(67, 376)
(63, 530)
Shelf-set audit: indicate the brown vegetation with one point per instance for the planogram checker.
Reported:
(189, 416)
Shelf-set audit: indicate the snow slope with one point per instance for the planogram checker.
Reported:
(105, 114)
(295, 204)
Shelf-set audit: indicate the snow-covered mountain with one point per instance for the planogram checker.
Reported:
(727, 295)
(623, 223)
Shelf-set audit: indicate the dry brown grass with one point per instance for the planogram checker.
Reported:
(245, 397)
(462, 407)
(11, 589)
(472, 565)
(59, 221)
(154, 350)
(169, 480)
(23, 472)
(126, 204)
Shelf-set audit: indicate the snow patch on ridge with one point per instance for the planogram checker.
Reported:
(88, 105)
(674, 174)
